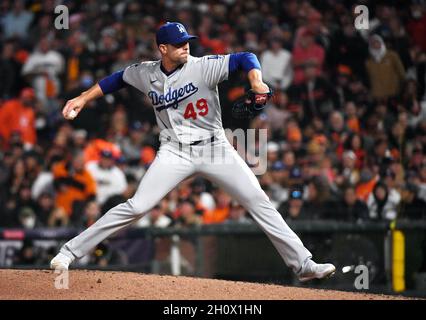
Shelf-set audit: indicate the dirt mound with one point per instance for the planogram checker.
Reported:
(40, 285)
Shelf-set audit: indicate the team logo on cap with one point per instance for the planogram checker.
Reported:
(181, 28)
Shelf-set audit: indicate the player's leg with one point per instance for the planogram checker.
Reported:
(236, 178)
(167, 170)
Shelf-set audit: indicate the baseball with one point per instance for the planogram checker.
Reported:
(72, 114)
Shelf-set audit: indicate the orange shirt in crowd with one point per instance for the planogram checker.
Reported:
(147, 155)
(67, 194)
(14, 116)
(93, 150)
(363, 190)
(353, 124)
(217, 215)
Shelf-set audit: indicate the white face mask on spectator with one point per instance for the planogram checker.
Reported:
(28, 222)
(377, 53)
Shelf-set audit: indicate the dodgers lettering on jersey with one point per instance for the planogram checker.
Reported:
(186, 103)
(172, 97)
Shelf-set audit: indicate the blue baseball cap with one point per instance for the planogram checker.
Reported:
(278, 166)
(107, 154)
(172, 33)
(296, 194)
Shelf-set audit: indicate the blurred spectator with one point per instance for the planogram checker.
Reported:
(110, 180)
(58, 218)
(93, 149)
(319, 200)
(186, 214)
(315, 93)
(417, 24)
(295, 208)
(44, 68)
(381, 156)
(221, 212)
(18, 116)
(411, 206)
(354, 143)
(296, 176)
(367, 181)
(78, 60)
(105, 255)
(79, 138)
(132, 185)
(351, 117)
(17, 22)
(32, 164)
(415, 107)
(337, 132)
(132, 144)
(272, 149)
(276, 65)
(91, 213)
(272, 183)
(349, 87)
(350, 208)
(348, 174)
(43, 182)
(8, 216)
(45, 207)
(118, 125)
(107, 49)
(24, 197)
(202, 198)
(385, 119)
(348, 50)
(294, 137)
(27, 254)
(41, 26)
(385, 70)
(72, 182)
(17, 178)
(383, 202)
(420, 181)
(306, 51)
(9, 69)
(157, 217)
(6, 165)
(27, 218)
(398, 40)
(238, 214)
(276, 111)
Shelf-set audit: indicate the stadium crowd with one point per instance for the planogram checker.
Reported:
(346, 126)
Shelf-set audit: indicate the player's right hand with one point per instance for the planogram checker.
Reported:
(73, 107)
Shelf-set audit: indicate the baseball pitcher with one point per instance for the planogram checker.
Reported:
(183, 92)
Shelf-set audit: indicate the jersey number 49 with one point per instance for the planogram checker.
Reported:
(201, 106)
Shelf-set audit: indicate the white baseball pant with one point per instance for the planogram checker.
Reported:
(219, 162)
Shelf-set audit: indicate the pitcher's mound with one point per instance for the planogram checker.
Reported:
(40, 285)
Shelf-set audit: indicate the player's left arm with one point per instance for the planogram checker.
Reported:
(254, 101)
(248, 62)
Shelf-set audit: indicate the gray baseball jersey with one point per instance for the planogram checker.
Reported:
(187, 101)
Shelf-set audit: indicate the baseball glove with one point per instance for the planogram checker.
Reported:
(250, 105)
